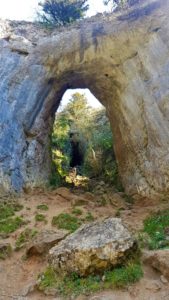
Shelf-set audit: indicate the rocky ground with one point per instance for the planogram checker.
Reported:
(18, 275)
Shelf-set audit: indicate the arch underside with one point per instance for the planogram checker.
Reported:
(123, 60)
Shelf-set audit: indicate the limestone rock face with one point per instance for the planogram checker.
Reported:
(122, 58)
(93, 248)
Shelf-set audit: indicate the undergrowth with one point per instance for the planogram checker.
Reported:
(10, 225)
(74, 285)
(43, 207)
(8, 210)
(24, 237)
(155, 234)
(66, 221)
(40, 218)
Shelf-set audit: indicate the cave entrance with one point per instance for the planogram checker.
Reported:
(82, 140)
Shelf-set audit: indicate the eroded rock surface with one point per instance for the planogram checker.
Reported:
(45, 240)
(93, 248)
(159, 260)
(122, 58)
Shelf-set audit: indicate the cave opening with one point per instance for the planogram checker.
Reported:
(82, 140)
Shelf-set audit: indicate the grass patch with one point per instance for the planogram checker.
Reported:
(77, 212)
(10, 225)
(43, 207)
(155, 231)
(5, 251)
(66, 221)
(17, 207)
(89, 217)
(8, 210)
(74, 285)
(25, 237)
(40, 218)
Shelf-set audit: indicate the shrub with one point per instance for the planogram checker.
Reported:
(155, 231)
(62, 12)
(73, 285)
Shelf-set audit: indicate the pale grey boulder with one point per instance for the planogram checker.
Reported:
(93, 248)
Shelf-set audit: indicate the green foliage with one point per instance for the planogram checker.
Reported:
(40, 218)
(8, 210)
(72, 118)
(9, 225)
(66, 221)
(62, 12)
(120, 4)
(77, 212)
(92, 130)
(89, 217)
(24, 237)
(74, 285)
(123, 276)
(155, 231)
(43, 207)
(6, 252)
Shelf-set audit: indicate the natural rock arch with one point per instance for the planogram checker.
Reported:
(122, 58)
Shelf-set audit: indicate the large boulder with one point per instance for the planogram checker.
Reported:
(93, 248)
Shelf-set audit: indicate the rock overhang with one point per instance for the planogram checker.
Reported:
(121, 58)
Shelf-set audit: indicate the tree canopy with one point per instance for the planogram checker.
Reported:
(120, 3)
(62, 12)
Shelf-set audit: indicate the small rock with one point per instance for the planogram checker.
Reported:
(29, 289)
(117, 201)
(65, 193)
(51, 292)
(89, 196)
(153, 285)
(45, 240)
(93, 248)
(163, 279)
(159, 260)
(79, 201)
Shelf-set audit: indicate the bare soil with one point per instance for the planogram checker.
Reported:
(17, 275)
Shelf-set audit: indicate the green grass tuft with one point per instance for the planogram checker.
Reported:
(74, 285)
(10, 225)
(40, 218)
(123, 276)
(89, 217)
(156, 231)
(24, 237)
(66, 221)
(43, 207)
(77, 212)
(6, 211)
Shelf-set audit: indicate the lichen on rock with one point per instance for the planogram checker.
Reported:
(93, 248)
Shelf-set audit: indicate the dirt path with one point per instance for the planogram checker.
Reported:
(17, 275)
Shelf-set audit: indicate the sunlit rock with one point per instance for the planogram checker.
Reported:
(122, 58)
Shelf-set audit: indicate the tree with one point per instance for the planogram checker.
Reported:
(121, 3)
(62, 12)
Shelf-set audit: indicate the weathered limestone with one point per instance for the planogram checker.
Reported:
(95, 247)
(122, 58)
(159, 260)
(45, 240)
